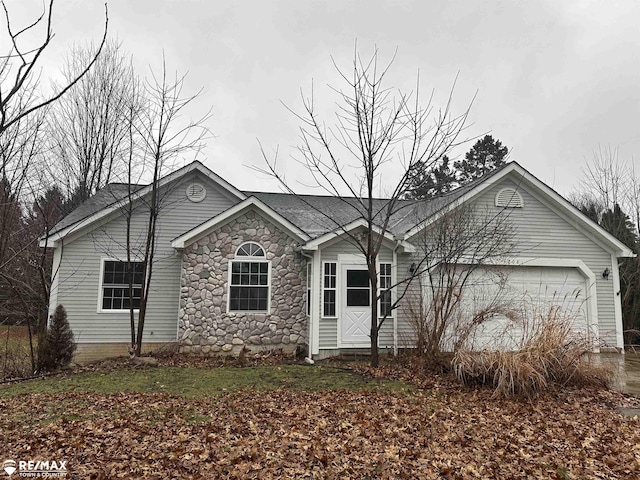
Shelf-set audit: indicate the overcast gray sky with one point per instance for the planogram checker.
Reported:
(554, 79)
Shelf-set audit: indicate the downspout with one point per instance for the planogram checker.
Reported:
(308, 359)
(617, 306)
(394, 280)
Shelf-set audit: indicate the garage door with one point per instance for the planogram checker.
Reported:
(529, 294)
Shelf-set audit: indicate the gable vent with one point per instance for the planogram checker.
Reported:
(196, 192)
(509, 198)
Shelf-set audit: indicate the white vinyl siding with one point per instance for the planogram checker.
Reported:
(79, 274)
(541, 232)
(328, 333)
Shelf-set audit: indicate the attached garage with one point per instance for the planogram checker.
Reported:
(531, 294)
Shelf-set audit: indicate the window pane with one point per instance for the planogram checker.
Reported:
(250, 249)
(329, 280)
(358, 297)
(385, 303)
(357, 278)
(115, 292)
(248, 298)
(329, 303)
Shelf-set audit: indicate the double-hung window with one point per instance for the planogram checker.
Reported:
(121, 284)
(329, 289)
(249, 280)
(384, 284)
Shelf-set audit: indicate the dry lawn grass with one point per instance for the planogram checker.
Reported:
(15, 353)
(440, 430)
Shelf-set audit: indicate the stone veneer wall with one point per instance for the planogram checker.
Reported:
(204, 324)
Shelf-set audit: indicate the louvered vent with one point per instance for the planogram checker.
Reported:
(196, 192)
(509, 198)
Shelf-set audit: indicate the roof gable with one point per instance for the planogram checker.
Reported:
(522, 177)
(114, 196)
(251, 202)
(352, 227)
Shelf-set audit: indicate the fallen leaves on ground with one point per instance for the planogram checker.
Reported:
(439, 432)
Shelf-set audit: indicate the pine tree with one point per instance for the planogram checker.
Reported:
(485, 156)
(58, 346)
(444, 176)
(440, 179)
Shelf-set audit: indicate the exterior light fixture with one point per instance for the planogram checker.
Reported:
(606, 273)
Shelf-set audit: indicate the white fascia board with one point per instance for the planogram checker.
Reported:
(54, 239)
(193, 166)
(201, 229)
(315, 244)
(216, 179)
(459, 201)
(621, 250)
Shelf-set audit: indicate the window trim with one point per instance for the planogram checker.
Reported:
(358, 268)
(103, 261)
(335, 289)
(390, 289)
(247, 259)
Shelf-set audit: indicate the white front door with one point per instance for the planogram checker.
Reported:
(356, 306)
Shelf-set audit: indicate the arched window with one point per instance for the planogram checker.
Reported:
(250, 279)
(250, 249)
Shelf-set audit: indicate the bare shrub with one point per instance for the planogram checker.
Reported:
(15, 353)
(455, 301)
(553, 355)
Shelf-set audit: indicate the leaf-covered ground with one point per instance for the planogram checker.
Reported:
(440, 430)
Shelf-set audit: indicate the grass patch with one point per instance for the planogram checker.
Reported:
(195, 382)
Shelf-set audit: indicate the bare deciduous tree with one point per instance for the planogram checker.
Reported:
(378, 134)
(22, 106)
(458, 288)
(19, 74)
(609, 194)
(160, 136)
(88, 126)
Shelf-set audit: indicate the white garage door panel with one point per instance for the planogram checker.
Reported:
(532, 293)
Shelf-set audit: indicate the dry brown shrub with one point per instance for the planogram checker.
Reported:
(15, 355)
(552, 356)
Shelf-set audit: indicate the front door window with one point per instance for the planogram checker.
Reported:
(358, 291)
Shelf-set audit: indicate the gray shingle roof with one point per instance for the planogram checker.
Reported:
(317, 215)
(104, 198)
(314, 214)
